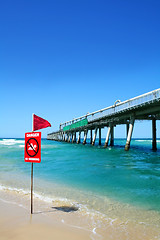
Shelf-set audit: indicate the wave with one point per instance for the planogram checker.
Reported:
(39, 196)
(58, 202)
(9, 142)
(142, 140)
(63, 204)
(146, 140)
(12, 189)
(21, 146)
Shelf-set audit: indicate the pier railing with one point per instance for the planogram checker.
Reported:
(117, 107)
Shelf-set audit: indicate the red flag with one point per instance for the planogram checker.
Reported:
(39, 123)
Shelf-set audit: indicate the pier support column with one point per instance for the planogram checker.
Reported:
(85, 137)
(73, 137)
(127, 129)
(99, 136)
(112, 136)
(94, 137)
(69, 137)
(154, 142)
(79, 138)
(63, 138)
(91, 137)
(60, 136)
(107, 137)
(131, 125)
(66, 137)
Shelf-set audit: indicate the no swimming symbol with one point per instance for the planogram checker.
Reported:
(32, 147)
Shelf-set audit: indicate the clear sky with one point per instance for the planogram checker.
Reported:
(61, 59)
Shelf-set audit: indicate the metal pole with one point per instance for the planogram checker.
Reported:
(32, 188)
(32, 172)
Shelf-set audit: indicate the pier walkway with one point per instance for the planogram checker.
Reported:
(143, 107)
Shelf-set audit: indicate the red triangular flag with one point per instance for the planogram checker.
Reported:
(39, 123)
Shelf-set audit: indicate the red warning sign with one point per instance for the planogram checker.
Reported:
(32, 147)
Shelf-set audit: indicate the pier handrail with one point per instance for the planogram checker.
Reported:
(118, 106)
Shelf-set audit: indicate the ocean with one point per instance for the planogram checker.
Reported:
(104, 183)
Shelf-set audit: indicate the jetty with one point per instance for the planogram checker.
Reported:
(143, 107)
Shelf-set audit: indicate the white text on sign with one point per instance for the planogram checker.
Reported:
(33, 135)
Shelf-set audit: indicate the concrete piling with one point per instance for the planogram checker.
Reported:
(154, 141)
(131, 125)
(66, 138)
(112, 136)
(69, 137)
(91, 137)
(79, 137)
(94, 137)
(127, 129)
(107, 137)
(85, 137)
(99, 136)
(73, 137)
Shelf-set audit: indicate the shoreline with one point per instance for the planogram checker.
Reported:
(59, 220)
(17, 223)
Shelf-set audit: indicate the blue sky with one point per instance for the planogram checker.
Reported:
(62, 59)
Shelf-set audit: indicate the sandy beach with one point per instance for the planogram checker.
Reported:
(50, 221)
(16, 222)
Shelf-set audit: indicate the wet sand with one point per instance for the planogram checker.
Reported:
(58, 221)
(17, 223)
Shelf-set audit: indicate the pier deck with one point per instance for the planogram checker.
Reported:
(143, 107)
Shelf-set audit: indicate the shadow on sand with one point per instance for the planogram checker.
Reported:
(66, 209)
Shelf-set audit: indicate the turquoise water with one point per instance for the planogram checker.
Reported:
(87, 174)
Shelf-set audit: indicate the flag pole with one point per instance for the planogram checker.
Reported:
(32, 177)
(31, 188)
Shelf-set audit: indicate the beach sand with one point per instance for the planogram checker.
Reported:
(58, 221)
(17, 223)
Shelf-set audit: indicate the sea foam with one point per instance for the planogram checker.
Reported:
(9, 142)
